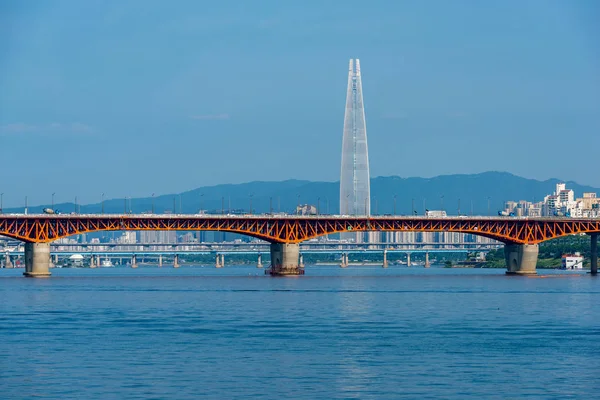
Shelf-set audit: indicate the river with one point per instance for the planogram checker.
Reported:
(360, 332)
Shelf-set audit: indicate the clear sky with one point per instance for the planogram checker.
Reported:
(134, 97)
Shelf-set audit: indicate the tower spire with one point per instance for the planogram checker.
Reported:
(355, 190)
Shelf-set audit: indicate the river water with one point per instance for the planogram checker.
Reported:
(360, 332)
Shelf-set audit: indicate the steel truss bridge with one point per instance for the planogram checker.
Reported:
(293, 229)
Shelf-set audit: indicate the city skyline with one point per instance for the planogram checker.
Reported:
(453, 88)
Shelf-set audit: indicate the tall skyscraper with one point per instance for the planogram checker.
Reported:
(355, 192)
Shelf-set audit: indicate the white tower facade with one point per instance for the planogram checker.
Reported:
(355, 190)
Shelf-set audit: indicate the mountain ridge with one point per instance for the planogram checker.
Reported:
(482, 193)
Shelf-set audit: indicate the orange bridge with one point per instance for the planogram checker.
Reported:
(293, 229)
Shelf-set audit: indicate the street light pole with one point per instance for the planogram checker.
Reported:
(1, 201)
(152, 203)
(459, 206)
(318, 204)
(489, 205)
(442, 202)
(53, 200)
(201, 198)
(102, 203)
(395, 204)
(250, 203)
(271, 205)
(413, 206)
(298, 207)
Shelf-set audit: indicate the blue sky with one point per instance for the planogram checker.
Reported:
(135, 97)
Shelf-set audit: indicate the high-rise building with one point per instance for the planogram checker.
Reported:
(355, 190)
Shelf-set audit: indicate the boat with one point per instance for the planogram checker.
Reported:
(106, 263)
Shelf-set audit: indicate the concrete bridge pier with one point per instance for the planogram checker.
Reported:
(285, 259)
(176, 261)
(385, 261)
(521, 259)
(344, 261)
(134, 261)
(92, 261)
(259, 264)
(427, 263)
(301, 263)
(37, 260)
(7, 262)
(218, 261)
(594, 250)
(160, 262)
(408, 259)
(222, 260)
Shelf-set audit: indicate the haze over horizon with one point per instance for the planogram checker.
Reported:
(143, 97)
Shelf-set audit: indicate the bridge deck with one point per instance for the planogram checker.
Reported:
(293, 229)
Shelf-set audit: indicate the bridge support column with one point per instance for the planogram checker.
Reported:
(218, 261)
(259, 264)
(385, 261)
(301, 263)
(176, 261)
(427, 263)
(160, 260)
(7, 262)
(222, 260)
(285, 259)
(594, 250)
(37, 260)
(134, 261)
(521, 259)
(344, 262)
(92, 261)
(408, 259)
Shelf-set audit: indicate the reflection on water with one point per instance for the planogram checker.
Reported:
(334, 333)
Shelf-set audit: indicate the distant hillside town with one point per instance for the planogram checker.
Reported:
(560, 203)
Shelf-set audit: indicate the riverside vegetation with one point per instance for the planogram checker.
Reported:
(550, 252)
